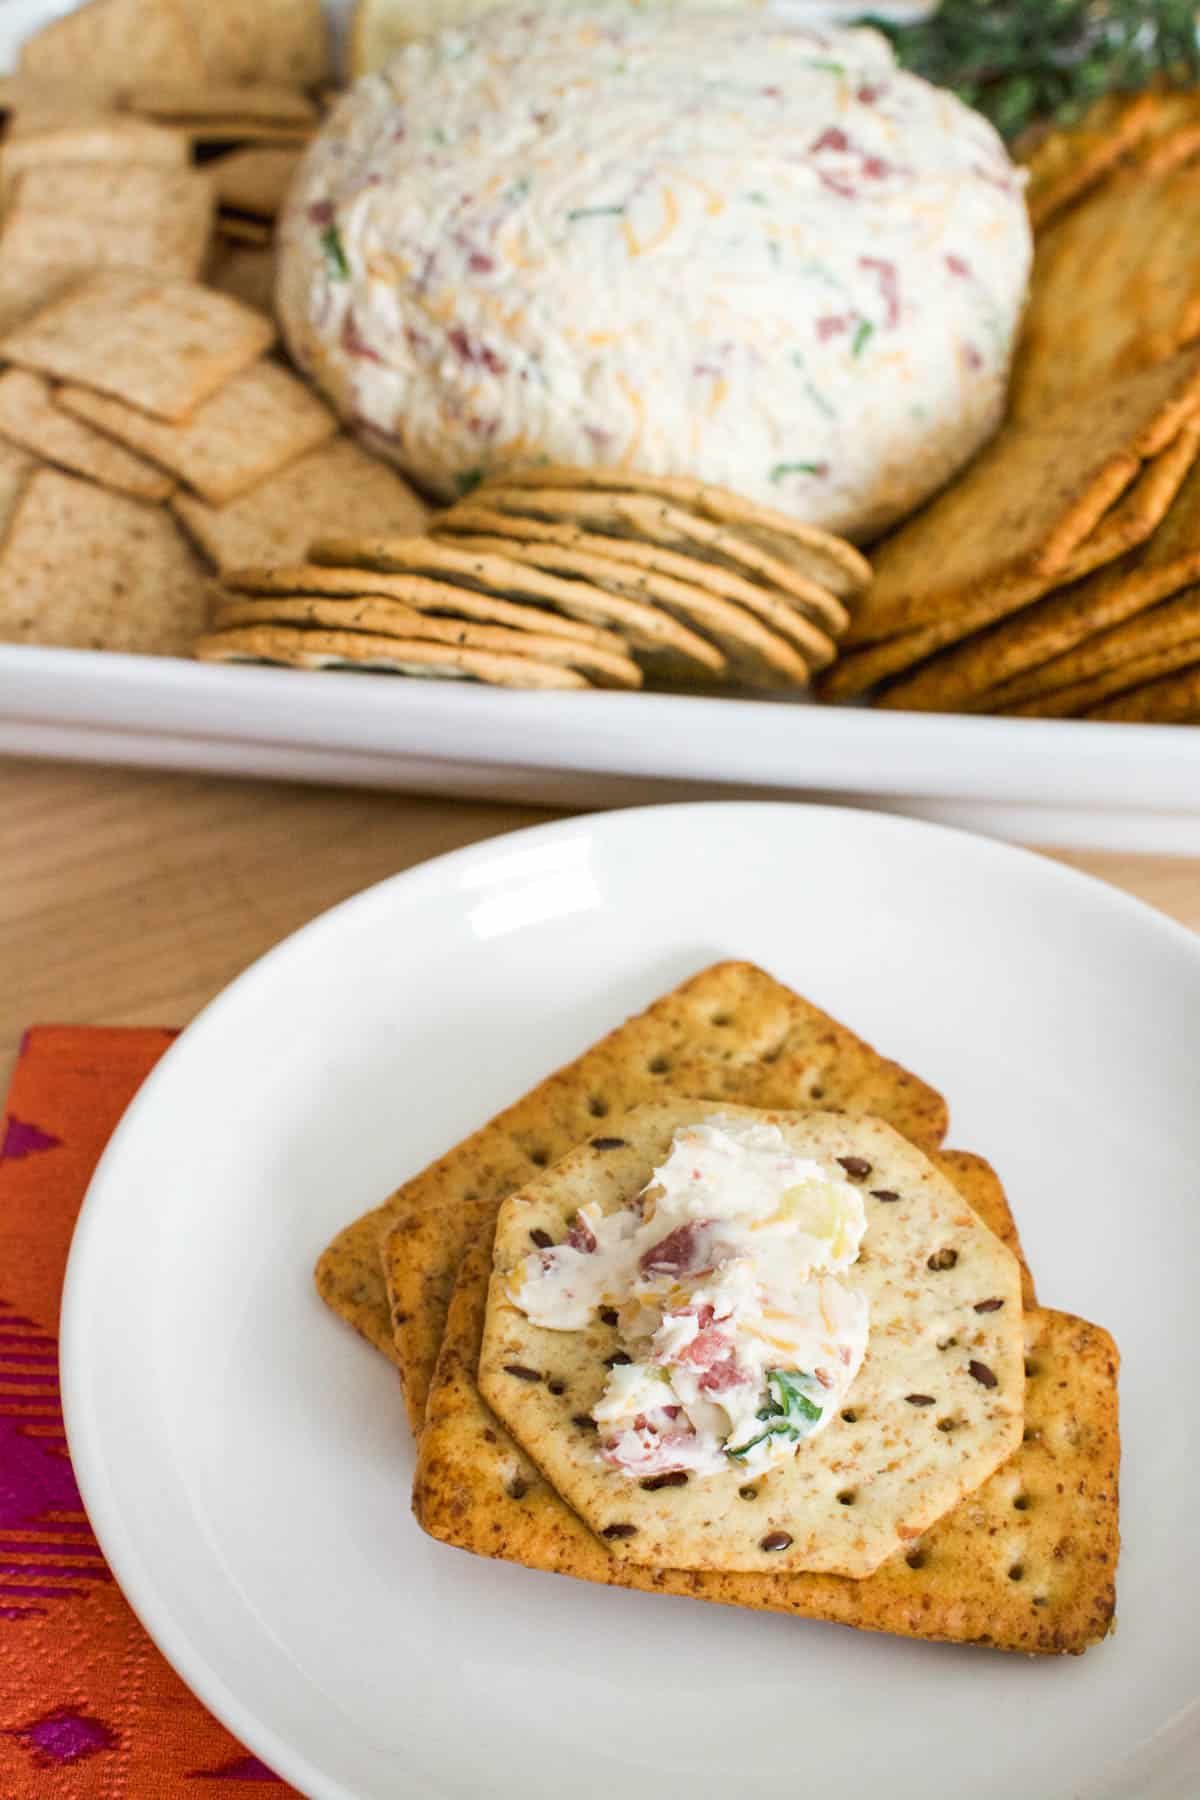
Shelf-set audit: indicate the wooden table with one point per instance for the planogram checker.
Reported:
(130, 899)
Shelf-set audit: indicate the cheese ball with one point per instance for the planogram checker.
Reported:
(693, 243)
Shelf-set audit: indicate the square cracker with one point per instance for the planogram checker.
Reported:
(163, 346)
(110, 216)
(86, 569)
(106, 139)
(729, 1033)
(1025, 1562)
(108, 46)
(254, 181)
(333, 486)
(29, 417)
(252, 426)
(270, 40)
(273, 105)
(1028, 501)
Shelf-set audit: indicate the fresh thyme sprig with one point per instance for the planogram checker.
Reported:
(1027, 61)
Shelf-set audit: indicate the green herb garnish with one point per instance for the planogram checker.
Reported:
(788, 1413)
(335, 256)
(830, 68)
(1022, 61)
(467, 480)
(863, 333)
(782, 470)
(756, 199)
(595, 212)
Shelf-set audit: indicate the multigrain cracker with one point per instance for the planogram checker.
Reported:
(538, 539)
(603, 667)
(260, 420)
(1173, 700)
(1161, 628)
(1026, 1562)
(163, 346)
(419, 593)
(334, 487)
(729, 1033)
(1135, 672)
(101, 215)
(648, 629)
(30, 418)
(301, 649)
(108, 46)
(1028, 502)
(1166, 563)
(87, 569)
(926, 1426)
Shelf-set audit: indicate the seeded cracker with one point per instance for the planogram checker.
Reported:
(1026, 1562)
(390, 618)
(862, 1487)
(729, 1033)
(29, 417)
(86, 569)
(163, 346)
(110, 215)
(259, 421)
(299, 649)
(1027, 503)
(335, 487)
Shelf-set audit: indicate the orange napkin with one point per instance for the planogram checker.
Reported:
(89, 1710)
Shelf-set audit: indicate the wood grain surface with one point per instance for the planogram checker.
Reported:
(130, 898)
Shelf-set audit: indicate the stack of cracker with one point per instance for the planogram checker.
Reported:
(1007, 1534)
(566, 578)
(1055, 577)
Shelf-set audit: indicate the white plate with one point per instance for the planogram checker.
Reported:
(244, 1456)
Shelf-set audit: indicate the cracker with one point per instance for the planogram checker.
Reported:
(653, 520)
(1028, 502)
(419, 593)
(259, 421)
(163, 346)
(29, 417)
(1160, 628)
(1173, 700)
(1026, 1562)
(335, 487)
(255, 232)
(815, 554)
(111, 139)
(868, 1484)
(1135, 672)
(1167, 562)
(85, 568)
(695, 606)
(204, 132)
(15, 469)
(471, 518)
(284, 41)
(26, 287)
(299, 649)
(246, 273)
(1116, 287)
(1067, 162)
(391, 618)
(729, 1033)
(215, 101)
(645, 627)
(108, 46)
(111, 216)
(254, 181)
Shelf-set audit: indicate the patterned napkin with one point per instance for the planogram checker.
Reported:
(89, 1710)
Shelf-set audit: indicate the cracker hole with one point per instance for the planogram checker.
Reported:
(850, 1416)
(817, 1092)
(517, 1488)
(471, 1194)
(1022, 1502)
(722, 1018)
(747, 1493)
(915, 1559)
(847, 1497)
(1017, 1572)
(658, 1065)
(1030, 1435)
(773, 1056)
(947, 1424)
(597, 1107)
(539, 1158)
(1031, 1369)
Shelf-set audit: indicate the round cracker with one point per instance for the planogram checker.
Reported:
(391, 618)
(656, 521)
(697, 605)
(647, 628)
(423, 595)
(829, 559)
(297, 648)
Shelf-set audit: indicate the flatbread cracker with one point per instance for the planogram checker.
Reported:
(301, 649)
(1166, 563)
(646, 628)
(108, 46)
(30, 418)
(419, 593)
(163, 346)
(817, 555)
(110, 216)
(84, 568)
(254, 181)
(469, 518)
(335, 487)
(1080, 697)
(259, 421)
(729, 1033)
(1173, 700)
(1158, 629)
(391, 618)
(284, 41)
(1026, 1562)
(870, 1482)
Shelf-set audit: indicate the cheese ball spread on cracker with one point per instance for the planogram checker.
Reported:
(698, 243)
